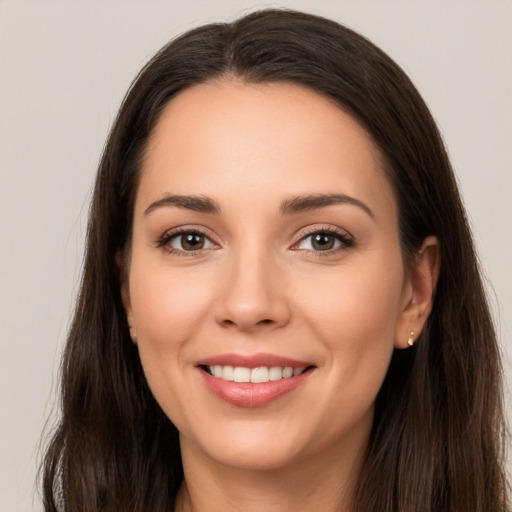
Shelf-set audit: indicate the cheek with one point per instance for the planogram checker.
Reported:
(167, 304)
(358, 301)
(355, 317)
(168, 309)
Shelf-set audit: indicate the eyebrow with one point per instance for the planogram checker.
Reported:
(291, 206)
(196, 203)
(313, 201)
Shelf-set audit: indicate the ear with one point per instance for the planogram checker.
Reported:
(125, 293)
(418, 292)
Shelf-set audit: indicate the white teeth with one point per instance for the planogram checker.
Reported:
(254, 375)
(287, 372)
(275, 373)
(227, 373)
(259, 375)
(241, 374)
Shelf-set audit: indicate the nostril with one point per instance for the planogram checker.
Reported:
(267, 321)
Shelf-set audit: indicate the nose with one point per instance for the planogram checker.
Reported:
(252, 295)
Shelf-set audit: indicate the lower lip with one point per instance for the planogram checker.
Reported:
(246, 394)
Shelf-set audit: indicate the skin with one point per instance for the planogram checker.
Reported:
(259, 286)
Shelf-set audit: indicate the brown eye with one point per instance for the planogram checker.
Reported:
(322, 241)
(192, 241)
(189, 241)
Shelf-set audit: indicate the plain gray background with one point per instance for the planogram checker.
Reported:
(64, 68)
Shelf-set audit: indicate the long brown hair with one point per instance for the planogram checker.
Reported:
(438, 434)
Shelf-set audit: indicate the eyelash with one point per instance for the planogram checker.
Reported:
(345, 240)
(166, 238)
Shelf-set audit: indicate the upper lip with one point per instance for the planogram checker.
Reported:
(252, 361)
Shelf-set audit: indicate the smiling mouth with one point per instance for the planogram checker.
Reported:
(257, 375)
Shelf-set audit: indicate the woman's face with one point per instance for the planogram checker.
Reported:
(265, 246)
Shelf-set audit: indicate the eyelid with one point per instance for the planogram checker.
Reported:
(343, 236)
(346, 239)
(168, 235)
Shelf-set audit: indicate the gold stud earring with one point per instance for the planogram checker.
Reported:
(411, 340)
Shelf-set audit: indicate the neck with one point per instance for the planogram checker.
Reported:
(325, 482)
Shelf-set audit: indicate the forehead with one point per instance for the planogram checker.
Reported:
(230, 139)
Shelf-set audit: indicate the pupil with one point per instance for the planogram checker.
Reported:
(323, 242)
(192, 242)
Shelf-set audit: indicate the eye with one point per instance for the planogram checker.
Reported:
(324, 241)
(186, 241)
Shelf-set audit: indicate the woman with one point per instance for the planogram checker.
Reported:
(281, 307)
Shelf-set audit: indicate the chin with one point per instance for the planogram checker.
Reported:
(261, 457)
(248, 447)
